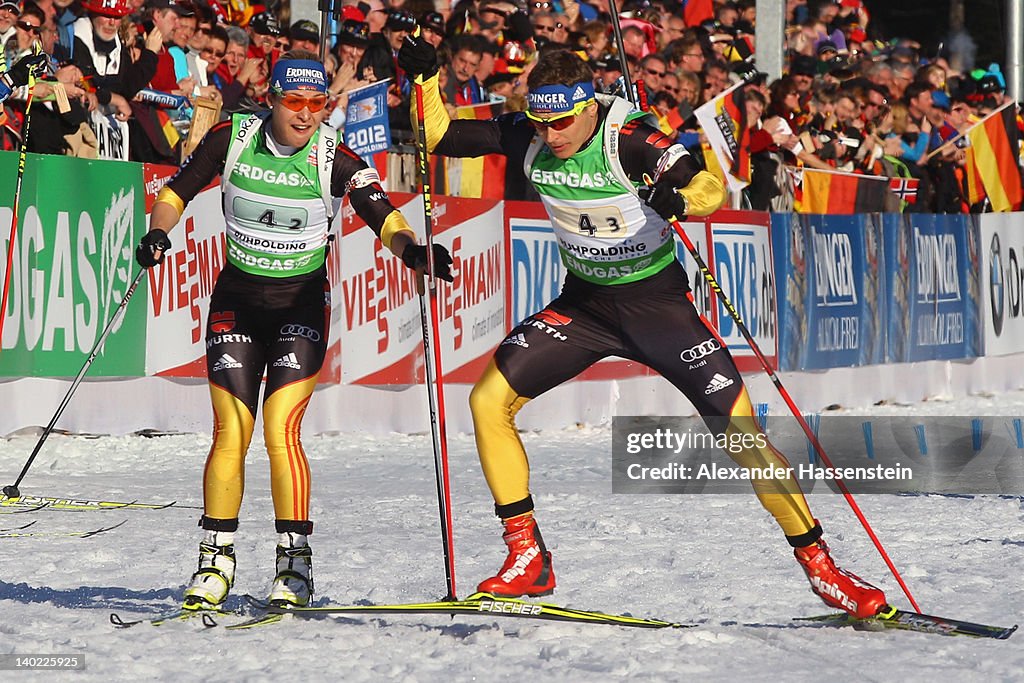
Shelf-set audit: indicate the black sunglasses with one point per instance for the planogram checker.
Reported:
(25, 26)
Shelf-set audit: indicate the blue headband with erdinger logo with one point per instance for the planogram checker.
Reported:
(298, 74)
(555, 99)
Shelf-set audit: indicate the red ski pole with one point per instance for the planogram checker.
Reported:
(432, 353)
(713, 283)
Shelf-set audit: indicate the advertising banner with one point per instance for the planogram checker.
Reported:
(948, 282)
(73, 260)
(472, 309)
(375, 306)
(932, 289)
(743, 266)
(1002, 274)
(367, 130)
(830, 286)
(180, 286)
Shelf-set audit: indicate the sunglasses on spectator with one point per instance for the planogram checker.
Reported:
(208, 51)
(25, 26)
(652, 72)
(300, 102)
(550, 28)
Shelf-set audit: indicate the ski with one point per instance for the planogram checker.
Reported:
(480, 604)
(18, 528)
(180, 614)
(261, 620)
(59, 534)
(914, 621)
(18, 511)
(31, 503)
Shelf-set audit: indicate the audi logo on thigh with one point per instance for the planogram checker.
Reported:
(695, 353)
(300, 331)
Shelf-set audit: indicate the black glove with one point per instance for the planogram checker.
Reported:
(417, 57)
(35, 65)
(415, 256)
(665, 200)
(152, 247)
(519, 27)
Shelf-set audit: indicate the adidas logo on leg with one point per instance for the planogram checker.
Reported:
(518, 340)
(717, 383)
(225, 362)
(288, 361)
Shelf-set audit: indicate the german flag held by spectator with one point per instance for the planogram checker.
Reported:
(833, 192)
(724, 120)
(478, 177)
(992, 160)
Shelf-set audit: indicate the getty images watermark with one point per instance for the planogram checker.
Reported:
(869, 455)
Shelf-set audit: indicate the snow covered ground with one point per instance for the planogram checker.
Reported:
(718, 561)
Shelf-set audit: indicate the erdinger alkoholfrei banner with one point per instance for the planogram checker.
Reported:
(830, 290)
(932, 287)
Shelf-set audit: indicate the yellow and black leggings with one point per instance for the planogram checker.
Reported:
(257, 325)
(652, 322)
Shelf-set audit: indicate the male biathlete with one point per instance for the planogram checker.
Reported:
(625, 294)
(283, 175)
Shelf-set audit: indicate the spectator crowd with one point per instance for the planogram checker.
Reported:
(850, 100)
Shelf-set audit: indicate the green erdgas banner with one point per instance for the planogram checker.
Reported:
(73, 262)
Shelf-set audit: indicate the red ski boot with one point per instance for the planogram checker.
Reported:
(837, 587)
(527, 569)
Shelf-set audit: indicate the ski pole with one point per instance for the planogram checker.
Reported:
(12, 490)
(14, 211)
(432, 354)
(621, 48)
(713, 283)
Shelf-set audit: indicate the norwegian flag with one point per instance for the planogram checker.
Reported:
(905, 189)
